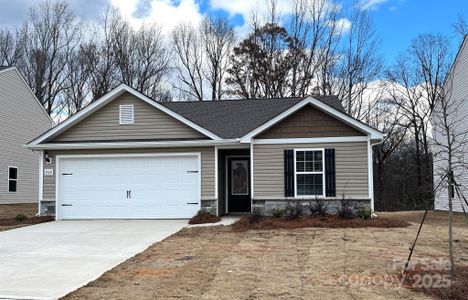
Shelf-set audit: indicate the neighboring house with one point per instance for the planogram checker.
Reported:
(456, 86)
(22, 118)
(128, 156)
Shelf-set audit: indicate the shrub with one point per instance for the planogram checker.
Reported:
(20, 217)
(204, 216)
(364, 213)
(345, 210)
(257, 215)
(293, 210)
(277, 213)
(318, 207)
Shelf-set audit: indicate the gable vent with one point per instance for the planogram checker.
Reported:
(126, 114)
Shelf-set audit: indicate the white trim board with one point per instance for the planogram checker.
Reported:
(340, 139)
(373, 133)
(108, 98)
(124, 145)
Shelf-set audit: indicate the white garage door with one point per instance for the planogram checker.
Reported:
(128, 187)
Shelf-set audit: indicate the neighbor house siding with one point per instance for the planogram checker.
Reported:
(459, 93)
(21, 119)
(351, 169)
(309, 122)
(207, 166)
(150, 123)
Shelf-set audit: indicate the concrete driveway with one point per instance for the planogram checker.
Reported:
(49, 260)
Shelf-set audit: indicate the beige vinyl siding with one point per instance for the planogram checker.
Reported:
(459, 92)
(150, 123)
(21, 120)
(351, 169)
(309, 122)
(207, 166)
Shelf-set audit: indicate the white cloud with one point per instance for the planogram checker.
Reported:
(371, 4)
(344, 24)
(246, 7)
(167, 13)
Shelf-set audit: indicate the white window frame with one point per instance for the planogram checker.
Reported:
(120, 114)
(8, 179)
(299, 173)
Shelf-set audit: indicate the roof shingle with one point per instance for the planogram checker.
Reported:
(234, 118)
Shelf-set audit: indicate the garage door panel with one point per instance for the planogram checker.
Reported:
(161, 187)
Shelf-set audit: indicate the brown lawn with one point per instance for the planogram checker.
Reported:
(307, 263)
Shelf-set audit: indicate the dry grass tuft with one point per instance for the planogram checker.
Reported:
(457, 290)
(203, 217)
(329, 221)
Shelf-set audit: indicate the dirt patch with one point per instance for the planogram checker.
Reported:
(11, 210)
(436, 283)
(329, 221)
(204, 217)
(305, 263)
(28, 221)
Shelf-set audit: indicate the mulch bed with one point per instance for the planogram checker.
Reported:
(415, 278)
(30, 221)
(204, 217)
(329, 221)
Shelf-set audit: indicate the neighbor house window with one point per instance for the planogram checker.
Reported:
(12, 179)
(126, 114)
(309, 172)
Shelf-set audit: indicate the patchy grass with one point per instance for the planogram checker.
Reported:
(431, 282)
(305, 263)
(203, 217)
(328, 221)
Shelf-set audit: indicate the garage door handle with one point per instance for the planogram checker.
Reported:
(67, 204)
(192, 203)
(67, 174)
(192, 171)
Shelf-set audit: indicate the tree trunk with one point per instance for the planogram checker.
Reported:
(450, 219)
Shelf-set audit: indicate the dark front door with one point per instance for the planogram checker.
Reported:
(238, 172)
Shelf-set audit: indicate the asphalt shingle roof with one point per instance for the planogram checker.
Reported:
(235, 118)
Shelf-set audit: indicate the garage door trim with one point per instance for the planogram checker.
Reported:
(119, 155)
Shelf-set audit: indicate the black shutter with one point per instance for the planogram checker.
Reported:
(330, 181)
(289, 173)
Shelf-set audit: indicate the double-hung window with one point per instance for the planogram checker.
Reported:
(309, 172)
(12, 179)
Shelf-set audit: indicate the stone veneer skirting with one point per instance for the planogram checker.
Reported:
(266, 206)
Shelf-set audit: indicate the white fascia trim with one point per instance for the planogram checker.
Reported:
(29, 89)
(111, 145)
(374, 134)
(340, 139)
(109, 97)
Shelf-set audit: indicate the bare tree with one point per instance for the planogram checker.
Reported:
(189, 52)
(359, 63)
(218, 40)
(10, 48)
(450, 140)
(77, 82)
(50, 36)
(315, 31)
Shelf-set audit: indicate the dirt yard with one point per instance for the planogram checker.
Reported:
(309, 263)
(8, 212)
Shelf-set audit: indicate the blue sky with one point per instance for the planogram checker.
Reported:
(397, 21)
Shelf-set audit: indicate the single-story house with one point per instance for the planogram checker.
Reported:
(129, 156)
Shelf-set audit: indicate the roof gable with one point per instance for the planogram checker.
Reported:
(149, 123)
(101, 102)
(340, 115)
(6, 70)
(309, 122)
